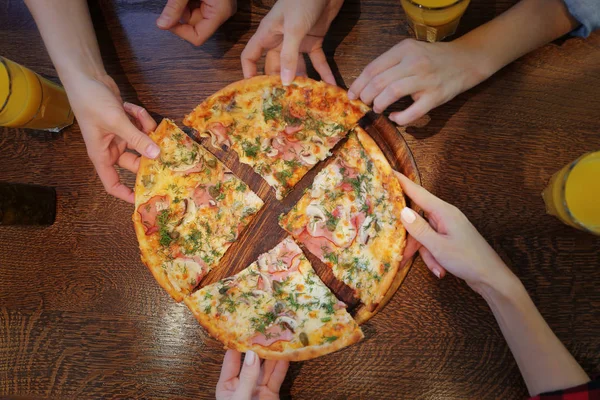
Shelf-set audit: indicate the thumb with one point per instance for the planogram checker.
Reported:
(171, 14)
(136, 139)
(418, 228)
(289, 56)
(248, 376)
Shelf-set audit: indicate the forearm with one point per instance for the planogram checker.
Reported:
(523, 28)
(543, 360)
(68, 33)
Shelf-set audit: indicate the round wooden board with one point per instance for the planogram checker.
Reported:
(264, 232)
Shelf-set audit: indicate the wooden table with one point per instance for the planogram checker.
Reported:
(80, 316)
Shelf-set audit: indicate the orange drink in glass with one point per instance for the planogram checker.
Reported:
(434, 20)
(573, 193)
(28, 100)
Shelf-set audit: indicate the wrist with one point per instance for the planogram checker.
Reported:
(478, 64)
(501, 287)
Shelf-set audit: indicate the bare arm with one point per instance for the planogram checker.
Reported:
(104, 119)
(434, 73)
(67, 31)
(456, 246)
(523, 28)
(545, 364)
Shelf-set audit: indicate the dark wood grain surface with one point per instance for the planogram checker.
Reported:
(81, 317)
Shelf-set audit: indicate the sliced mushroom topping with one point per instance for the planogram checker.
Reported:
(287, 321)
(365, 230)
(308, 157)
(316, 214)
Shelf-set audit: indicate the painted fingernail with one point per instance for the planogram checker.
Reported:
(152, 151)
(437, 273)
(250, 358)
(163, 21)
(408, 215)
(351, 95)
(287, 76)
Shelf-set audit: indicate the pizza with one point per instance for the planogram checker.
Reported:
(280, 131)
(277, 307)
(350, 218)
(189, 208)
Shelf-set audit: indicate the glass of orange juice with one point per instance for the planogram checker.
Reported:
(28, 100)
(434, 20)
(573, 193)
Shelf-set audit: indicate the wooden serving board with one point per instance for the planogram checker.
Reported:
(264, 232)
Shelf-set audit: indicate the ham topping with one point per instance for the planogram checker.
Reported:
(281, 264)
(291, 130)
(219, 136)
(273, 334)
(202, 197)
(149, 210)
(316, 245)
(286, 149)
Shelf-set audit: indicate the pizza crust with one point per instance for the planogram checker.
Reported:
(302, 354)
(394, 188)
(147, 243)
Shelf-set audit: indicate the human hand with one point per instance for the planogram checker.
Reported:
(108, 130)
(449, 242)
(195, 24)
(254, 381)
(431, 73)
(287, 31)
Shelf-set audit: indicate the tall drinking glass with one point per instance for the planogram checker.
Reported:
(434, 20)
(28, 100)
(573, 193)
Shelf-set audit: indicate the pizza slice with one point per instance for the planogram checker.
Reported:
(280, 131)
(277, 307)
(350, 218)
(189, 208)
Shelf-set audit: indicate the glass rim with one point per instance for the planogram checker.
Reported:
(414, 3)
(563, 194)
(9, 84)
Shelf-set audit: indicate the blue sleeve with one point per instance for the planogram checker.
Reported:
(587, 12)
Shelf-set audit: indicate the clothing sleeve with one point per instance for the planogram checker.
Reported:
(587, 12)
(587, 391)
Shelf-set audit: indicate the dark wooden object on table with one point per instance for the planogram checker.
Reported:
(264, 232)
(81, 317)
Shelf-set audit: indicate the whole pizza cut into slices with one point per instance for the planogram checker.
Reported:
(280, 131)
(189, 208)
(277, 307)
(350, 218)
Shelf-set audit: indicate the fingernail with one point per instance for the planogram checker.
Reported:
(351, 95)
(163, 21)
(152, 151)
(250, 358)
(408, 215)
(437, 273)
(287, 76)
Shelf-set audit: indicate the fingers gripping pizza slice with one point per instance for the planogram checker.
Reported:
(280, 131)
(350, 218)
(189, 208)
(277, 307)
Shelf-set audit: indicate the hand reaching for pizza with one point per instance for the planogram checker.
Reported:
(253, 381)
(285, 33)
(195, 24)
(431, 73)
(109, 128)
(449, 242)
